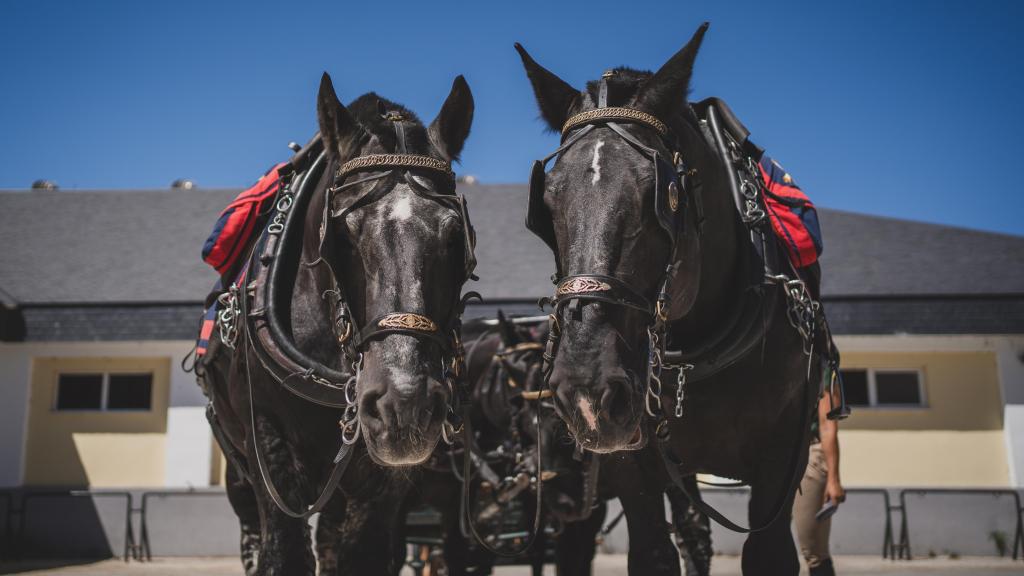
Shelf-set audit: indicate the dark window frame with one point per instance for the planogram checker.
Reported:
(104, 391)
(872, 383)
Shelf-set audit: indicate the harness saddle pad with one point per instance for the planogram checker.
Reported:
(239, 221)
(793, 217)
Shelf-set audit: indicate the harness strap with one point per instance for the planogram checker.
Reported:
(341, 459)
(673, 464)
(230, 452)
(603, 288)
(407, 323)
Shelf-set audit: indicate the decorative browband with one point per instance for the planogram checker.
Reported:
(408, 321)
(395, 161)
(581, 286)
(614, 113)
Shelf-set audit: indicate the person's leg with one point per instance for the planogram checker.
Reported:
(812, 534)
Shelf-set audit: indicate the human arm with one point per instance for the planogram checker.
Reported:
(828, 430)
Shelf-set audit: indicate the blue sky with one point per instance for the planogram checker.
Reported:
(906, 109)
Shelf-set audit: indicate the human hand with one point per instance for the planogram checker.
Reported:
(835, 492)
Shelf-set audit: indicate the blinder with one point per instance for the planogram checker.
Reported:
(668, 205)
(538, 217)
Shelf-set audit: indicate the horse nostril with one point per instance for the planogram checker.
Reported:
(369, 406)
(608, 398)
(439, 407)
(615, 400)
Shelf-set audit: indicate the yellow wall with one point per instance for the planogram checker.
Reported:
(955, 440)
(923, 458)
(95, 448)
(961, 391)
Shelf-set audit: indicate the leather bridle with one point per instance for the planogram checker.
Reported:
(673, 191)
(266, 302)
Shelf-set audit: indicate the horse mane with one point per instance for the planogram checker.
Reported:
(365, 110)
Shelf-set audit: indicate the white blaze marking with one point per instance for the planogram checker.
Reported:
(595, 163)
(588, 412)
(402, 209)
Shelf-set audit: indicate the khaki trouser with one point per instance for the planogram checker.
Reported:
(812, 534)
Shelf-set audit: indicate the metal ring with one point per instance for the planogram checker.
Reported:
(285, 203)
(354, 430)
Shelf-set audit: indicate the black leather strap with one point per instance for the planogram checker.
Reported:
(230, 452)
(341, 459)
(619, 292)
(673, 464)
(373, 331)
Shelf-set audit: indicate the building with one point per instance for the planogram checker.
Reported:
(100, 298)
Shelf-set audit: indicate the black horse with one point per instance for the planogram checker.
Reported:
(347, 329)
(656, 249)
(505, 374)
(509, 416)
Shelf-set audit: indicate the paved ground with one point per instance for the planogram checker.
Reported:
(607, 565)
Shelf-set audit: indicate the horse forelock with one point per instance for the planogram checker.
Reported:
(625, 84)
(366, 111)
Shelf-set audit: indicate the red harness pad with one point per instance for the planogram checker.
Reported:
(236, 224)
(793, 217)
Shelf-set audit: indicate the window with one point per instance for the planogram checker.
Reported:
(80, 392)
(883, 388)
(104, 392)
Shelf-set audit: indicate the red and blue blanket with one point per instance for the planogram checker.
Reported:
(239, 221)
(234, 231)
(792, 214)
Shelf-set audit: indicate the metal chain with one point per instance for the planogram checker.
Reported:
(654, 389)
(451, 426)
(227, 317)
(802, 310)
(680, 385)
(282, 207)
(349, 422)
(750, 188)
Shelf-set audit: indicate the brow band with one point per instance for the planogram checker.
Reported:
(396, 161)
(613, 113)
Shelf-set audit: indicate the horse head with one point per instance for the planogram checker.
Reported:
(617, 212)
(399, 243)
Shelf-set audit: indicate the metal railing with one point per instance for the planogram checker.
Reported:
(904, 544)
(146, 552)
(17, 504)
(6, 541)
(16, 535)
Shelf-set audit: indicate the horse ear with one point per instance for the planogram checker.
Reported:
(448, 132)
(340, 132)
(556, 99)
(667, 89)
(509, 335)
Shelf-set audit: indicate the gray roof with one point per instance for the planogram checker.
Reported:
(120, 246)
(123, 247)
(876, 256)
